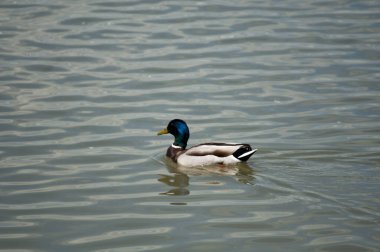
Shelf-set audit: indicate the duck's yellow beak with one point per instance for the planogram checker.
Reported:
(162, 132)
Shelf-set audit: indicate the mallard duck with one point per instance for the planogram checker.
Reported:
(202, 154)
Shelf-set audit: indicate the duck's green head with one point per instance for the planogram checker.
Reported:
(178, 128)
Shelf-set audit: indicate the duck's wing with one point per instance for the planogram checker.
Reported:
(215, 153)
(216, 149)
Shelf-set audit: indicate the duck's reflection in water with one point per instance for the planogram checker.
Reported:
(179, 178)
(179, 181)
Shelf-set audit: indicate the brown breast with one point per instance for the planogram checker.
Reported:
(173, 153)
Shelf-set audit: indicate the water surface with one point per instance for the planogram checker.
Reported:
(85, 86)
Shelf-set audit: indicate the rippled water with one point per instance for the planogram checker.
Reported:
(85, 86)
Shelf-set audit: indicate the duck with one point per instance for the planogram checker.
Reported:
(205, 154)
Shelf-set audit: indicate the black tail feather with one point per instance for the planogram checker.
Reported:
(244, 153)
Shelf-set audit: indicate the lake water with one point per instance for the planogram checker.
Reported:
(86, 85)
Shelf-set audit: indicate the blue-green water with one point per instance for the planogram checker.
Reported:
(85, 86)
